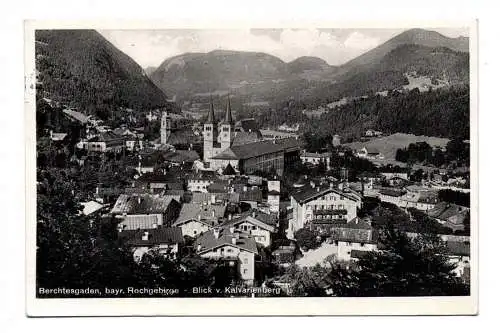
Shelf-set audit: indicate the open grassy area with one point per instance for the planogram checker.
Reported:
(388, 145)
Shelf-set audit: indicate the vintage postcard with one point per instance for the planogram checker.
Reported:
(275, 170)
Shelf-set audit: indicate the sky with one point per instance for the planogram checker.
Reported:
(335, 46)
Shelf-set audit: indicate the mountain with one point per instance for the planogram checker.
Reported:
(217, 70)
(149, 70)
(82, 69)
(303, 64)
(413, 36)
(415, 58)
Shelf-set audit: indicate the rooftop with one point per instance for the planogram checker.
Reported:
(259, 148)
(142, 203)
(140, 222)
(308, 193)
(258, 218)
(162, 235)
(208, 241)
(197, 211)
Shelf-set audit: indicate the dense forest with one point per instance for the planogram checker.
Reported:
(84, 70)
(440, 113)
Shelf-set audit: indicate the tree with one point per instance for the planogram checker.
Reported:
(408, 267)
(307, 239)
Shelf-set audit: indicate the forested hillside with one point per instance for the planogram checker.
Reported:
(81, 68)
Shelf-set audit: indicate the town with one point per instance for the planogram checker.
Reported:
(249, 204)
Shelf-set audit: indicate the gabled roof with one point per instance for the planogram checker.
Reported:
(258, 148)
(208, 241)
(260, 219)
(229, 170)
(162, 235)
(142, 204)
(77, 115)
(140, 222)
(445, 210)
(191, 211)
(308, 193)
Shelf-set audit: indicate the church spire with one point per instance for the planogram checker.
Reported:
(211, 115)
(228, 119)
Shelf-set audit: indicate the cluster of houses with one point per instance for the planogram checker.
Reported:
(217, 207)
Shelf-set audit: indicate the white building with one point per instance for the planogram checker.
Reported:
(321, 202)
(255, 224)
(226, 244)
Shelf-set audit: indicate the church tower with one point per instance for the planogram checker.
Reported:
(227, 128)
(209, 133)
(166, 127)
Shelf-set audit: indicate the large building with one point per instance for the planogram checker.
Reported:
(245, 151)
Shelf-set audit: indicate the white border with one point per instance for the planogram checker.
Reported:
(240, 306)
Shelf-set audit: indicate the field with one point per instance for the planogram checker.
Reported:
(388, 145)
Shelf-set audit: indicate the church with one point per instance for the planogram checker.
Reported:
(244, 147)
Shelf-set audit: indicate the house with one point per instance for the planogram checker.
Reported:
(200, 181)
(226, 244)
(256, 224)
(196, 218)
(371, 133)
(181, 157)
(336, 140)
(154, 182)
(215, 198)
(105, 142)
(91, 207)
(391, 195)
(285, 255)
(77, 116)
(450, 215)
(57, 137)
(370, 153)
(356, 235)
(321, 202)
(166, 240)
(458, 253)
(420, 198)
(391, 175)
(316, 158)
(268, 134)
(137, 207)
(273, 196)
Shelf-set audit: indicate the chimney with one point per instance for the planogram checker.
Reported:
(216, 233)
(212, 199)
(317, 189)
(198, 248)
(145, 236)
(331, 185)
(230, 217)
(231, 229)
(213, 212)
(120, 228)
(253, 214)
(233, 240)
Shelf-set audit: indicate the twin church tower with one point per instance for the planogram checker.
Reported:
(217, 137)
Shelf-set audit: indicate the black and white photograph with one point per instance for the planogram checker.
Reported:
(261, 164)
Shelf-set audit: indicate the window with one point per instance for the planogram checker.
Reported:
(229, 250)
(362, 244)
(195, 232)
(245, 261)
(245, 271)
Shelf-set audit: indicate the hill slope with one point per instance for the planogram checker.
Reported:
(421, 37)
(216, 70)
(82, 69)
